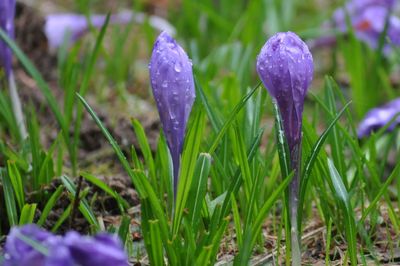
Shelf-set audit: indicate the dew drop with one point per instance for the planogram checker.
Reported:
(178, 67)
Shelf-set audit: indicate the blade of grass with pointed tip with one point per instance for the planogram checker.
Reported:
(43, 86)
(199, 189)
(9, 198)
(138, 185)
(123, 204)
(189, 157)
(308, 165)
(382, 190)
(231, 118)
(85, 84)
(27, 214)
(146, 151)
(50, 204)
(17, 184)
(345, 205)
(84, 207)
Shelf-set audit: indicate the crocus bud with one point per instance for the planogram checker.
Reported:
(7, 13)
(171, 78)
(285, 66)
(378, 117)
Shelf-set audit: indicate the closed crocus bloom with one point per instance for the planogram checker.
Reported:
(285, 66)
(172, 82)
(7, 13)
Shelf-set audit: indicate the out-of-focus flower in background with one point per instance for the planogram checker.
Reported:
(367, 19)
(379, 117)
(7, 13)
(33, 246)
(73, 26)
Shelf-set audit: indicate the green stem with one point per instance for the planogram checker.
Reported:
(295, 158)
(16, 106)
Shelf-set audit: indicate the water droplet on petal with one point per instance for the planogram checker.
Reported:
(178, 67)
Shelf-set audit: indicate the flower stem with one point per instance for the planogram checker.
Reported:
(16, 106)
(295, 158)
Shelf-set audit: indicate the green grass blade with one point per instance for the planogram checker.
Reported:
(103, 186)
(83, 204)
(27, 214)
(50, 204)
(17, 184)
(63, 217)
(312, 158)
(116, 147)
(266, 207)
(146, 151)
(43, 86)
(199, 189)
(345, 205)
(231, 118)
(9, 198)
(383, 188)
(189, 157)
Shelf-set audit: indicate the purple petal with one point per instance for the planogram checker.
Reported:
(100, 250)
(368, 18)
(378, 117)
(171, 78)
(57, 26)
(7, 13)
(285, 66)
(18, 252)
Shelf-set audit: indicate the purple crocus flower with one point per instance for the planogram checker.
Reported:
(70, 250)
(379, 117)
(7, 13)
(18, 252)
(368, 18)
(171, 78)
(285, 66)
(102, 249)
(77, 25)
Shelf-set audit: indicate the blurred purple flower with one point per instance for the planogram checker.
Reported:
(18, 252)
(102, 249)
(58, 25)
(379, 117)
(368, 18)
(7, 13)
(171, 78)
(76, 25)
(71, 250)
(285, 65)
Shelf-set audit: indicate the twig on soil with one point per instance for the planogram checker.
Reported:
(76, 202)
